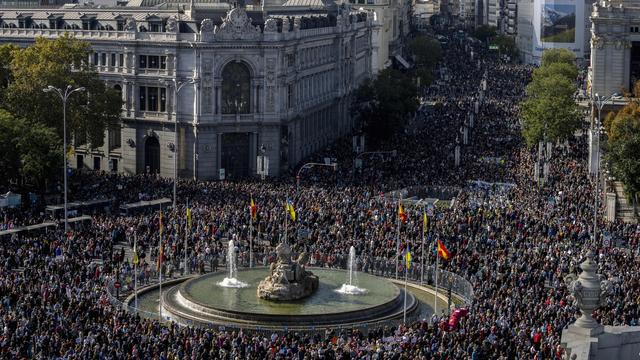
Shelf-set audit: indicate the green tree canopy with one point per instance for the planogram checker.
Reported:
(426, 51)
(6, 55)
(30, 150)
(507, 45)
(549, 112)
(9, 158)
(61, 62)
(549, 119)
(623, 152)
(568, 71)
(551, 56)
(384, 103)
(485, 32)
(551, 86)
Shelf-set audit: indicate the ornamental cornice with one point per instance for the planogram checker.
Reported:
(600, 41)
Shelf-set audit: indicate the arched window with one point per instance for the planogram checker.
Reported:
(236, 89)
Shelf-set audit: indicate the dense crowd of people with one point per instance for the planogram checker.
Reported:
(513, 239)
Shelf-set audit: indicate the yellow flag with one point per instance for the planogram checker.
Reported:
(408, 258)
(425, 222)
(135, 256)
(189, 217)
(291, 210)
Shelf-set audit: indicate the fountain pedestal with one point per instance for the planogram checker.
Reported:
(288, 280)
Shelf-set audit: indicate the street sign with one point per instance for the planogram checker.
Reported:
(221, 175)
(117, 285)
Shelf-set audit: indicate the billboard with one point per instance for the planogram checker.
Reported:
(558, 23)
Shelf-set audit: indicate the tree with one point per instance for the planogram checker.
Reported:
(568, 71)
(551, 56)
(384, 103)
(549, 113)
(9, 156)
(6, 55)
(623, 153)
(40, 150)
(61, 62)
(426, 51)
(485, 32)
(507, 45)
(30, 150)
(551, 86)
(549, 118)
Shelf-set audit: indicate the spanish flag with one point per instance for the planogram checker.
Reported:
(253, 210)
(442, 251)
(189, 217)
(290, 210)
(401, 214)
(408, 259)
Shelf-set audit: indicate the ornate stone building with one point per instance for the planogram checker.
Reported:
(615, 46)
(275, 80)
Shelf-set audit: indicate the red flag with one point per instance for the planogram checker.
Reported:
(442, 251)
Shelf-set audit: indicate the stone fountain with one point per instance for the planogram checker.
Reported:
(232, 281)
(350, 287)
(287, 280)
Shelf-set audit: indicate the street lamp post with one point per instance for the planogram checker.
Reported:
(310, 165)
(177, 85)
(599, 102)
(64, 96)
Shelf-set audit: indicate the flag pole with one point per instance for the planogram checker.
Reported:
(135, 270)
(186, 236)
(424, 229)
(251, 234)
(286, 223)
(404, 314)
(435, 303)
(398, 235)
(160, 262)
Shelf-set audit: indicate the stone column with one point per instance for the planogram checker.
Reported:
(218, 155)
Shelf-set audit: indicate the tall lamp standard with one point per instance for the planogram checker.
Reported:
(599, 102)
(177, 85)
(64, 96)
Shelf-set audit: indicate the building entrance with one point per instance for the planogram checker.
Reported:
(152, 155)
(235, 155)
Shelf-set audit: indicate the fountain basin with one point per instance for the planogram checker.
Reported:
(201, 300)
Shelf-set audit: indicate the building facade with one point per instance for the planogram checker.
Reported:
(392, 19)
(546, 24)
(615, 46)
(206, 90)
